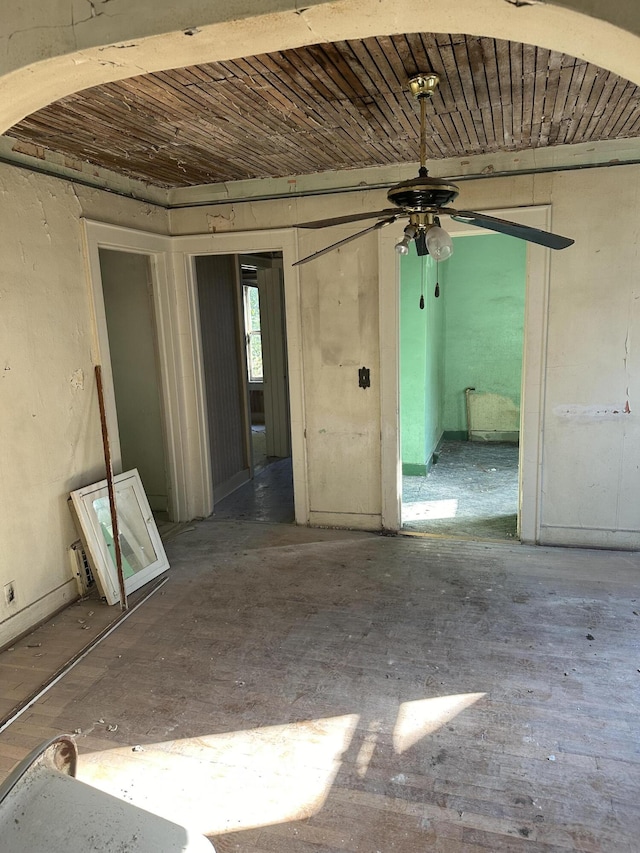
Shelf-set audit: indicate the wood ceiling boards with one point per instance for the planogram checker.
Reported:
(334, 106)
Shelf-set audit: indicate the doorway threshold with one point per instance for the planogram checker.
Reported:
(458, 537)
(470, 493)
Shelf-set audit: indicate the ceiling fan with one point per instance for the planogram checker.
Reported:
(423, 199)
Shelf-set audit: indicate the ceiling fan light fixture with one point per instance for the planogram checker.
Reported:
(402, 246)
(439, 243)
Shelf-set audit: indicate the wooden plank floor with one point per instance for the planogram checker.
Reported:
(33, 660)
(36, 658)
(313, 692)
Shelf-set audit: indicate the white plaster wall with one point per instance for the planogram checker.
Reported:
(591, 451)
(591, 483)
(49, 421)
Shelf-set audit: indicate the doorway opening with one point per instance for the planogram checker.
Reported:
(127, 290)
(244, 367)
(460, 389)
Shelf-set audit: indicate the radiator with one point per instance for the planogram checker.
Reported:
(491, 417)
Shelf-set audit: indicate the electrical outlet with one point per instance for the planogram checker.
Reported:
(10, 593)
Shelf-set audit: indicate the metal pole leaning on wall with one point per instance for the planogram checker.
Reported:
(112, 497)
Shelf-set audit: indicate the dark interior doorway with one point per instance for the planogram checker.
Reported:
(243, 333)
(130, 317)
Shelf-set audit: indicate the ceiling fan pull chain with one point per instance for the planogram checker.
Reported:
(437, 290)
(423, 132)
(423, 264)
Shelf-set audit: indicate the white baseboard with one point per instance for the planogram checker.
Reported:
(347, 520)
(34, 614)
(581, 537)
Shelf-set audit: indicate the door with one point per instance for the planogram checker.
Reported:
(224, 370)
(276, 386)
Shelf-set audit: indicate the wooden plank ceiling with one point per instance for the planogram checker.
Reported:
(334, 106)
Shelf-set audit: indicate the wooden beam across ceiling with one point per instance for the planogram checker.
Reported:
(332, 107)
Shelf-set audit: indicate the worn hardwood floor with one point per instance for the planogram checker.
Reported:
(312, 692)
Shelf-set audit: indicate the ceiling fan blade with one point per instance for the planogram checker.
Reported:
(353, 217)
(513, 229)
(346, 240)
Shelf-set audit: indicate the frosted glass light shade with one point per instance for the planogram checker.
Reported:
(439, 243)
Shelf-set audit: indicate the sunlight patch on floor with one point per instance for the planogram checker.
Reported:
(231, 781)
(418, 719)
(421, 510)
(224, 783)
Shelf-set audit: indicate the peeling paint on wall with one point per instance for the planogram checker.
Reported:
(493, 413)
(216, 222)
(77, 379)
(607, 411)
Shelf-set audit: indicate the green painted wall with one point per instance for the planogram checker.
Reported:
(421, 364)
(483, 290)
(471, 336)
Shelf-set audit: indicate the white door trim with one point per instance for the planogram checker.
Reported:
(238, 243)
(176, 314)
(533, 368)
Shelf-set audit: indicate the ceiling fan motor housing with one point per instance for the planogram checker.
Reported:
(422, 194)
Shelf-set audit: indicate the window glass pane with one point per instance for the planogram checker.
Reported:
(254, 309)
(252, 327)
(255, 357)
(135, 543)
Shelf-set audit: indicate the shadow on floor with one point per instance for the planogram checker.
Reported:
(472, 491)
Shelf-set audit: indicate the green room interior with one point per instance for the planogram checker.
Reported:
(471, 336)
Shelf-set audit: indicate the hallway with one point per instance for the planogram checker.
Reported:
(268, 497)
